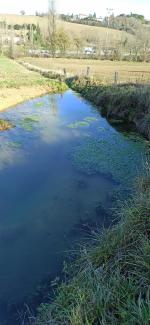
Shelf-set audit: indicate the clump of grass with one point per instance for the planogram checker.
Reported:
(110, 281)
(5, 125)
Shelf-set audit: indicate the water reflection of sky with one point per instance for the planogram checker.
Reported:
(47, 189)
(49, 126)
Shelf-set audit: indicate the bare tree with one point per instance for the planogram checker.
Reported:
(52, 26)
(2, 36)
(11, 45)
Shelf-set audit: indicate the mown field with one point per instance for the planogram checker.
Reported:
(18, 84)
(102, 70)
(14, 75)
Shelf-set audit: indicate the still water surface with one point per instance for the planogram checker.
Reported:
(60, 170)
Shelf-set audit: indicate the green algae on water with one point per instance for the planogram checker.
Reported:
(77, 124)
(28, 123)
(119, 159)
(14, 144)
(86, 122)
(90, 119)
(39, 104)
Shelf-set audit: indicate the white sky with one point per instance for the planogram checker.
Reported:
(78, 6)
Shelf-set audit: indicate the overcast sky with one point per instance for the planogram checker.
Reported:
(78, 6)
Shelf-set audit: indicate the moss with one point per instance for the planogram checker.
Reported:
(5, 125)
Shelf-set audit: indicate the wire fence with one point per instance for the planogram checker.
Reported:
(106, 75)
(118, 77)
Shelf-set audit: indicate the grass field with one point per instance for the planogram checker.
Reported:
(103, 70)
(18, 84)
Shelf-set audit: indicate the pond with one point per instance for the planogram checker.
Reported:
(61, 169)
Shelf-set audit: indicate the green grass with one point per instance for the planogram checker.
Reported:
(109, 283)
(17, 84)
(13, 75)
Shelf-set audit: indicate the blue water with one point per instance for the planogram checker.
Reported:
(60, 169)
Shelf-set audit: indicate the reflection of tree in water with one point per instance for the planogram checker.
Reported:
(53, 105)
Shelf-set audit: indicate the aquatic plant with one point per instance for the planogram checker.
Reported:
(77, 124)
(109, 155)
(28, 122)
(90, 119)
(5, 125)
(39, 104)
(14, 144)
(85, 122)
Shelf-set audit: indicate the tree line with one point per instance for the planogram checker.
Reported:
(59, 42)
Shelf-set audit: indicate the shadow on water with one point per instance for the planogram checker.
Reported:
(61, 170)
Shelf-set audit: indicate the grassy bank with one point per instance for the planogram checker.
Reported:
(126, 103)
(110, 281)
(17, 84)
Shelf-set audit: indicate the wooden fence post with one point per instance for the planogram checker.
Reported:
(65, 72)
(88, 72)
(116, 77)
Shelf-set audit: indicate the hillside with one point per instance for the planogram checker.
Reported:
(89, 33)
